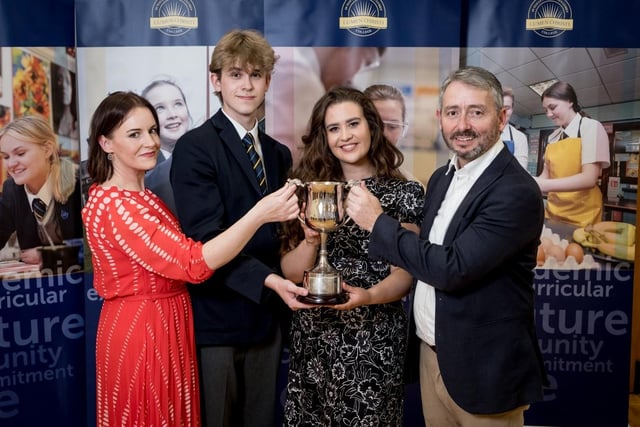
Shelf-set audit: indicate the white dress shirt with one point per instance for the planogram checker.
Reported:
(424, 306)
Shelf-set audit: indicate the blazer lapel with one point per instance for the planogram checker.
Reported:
(233, 143)
(484, 181)
(493, 172)
(435, 195)
(270, 161)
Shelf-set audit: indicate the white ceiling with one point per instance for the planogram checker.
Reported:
(600, 76)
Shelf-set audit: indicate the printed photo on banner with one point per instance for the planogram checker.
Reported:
(41, 256)
(30, 84)
(138, 69)
(64, 105)
(40, 197)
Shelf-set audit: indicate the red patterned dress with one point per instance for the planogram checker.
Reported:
(146, 373)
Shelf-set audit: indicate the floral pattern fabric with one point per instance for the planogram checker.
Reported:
(346, 367)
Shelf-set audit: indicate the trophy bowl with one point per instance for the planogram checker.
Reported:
(324, 212)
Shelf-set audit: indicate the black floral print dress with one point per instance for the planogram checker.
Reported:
(346, 367)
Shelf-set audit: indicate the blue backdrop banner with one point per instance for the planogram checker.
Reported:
(42, 347)
(583, 320)
(37, 23)
(463, 23)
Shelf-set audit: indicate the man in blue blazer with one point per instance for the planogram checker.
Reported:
(237, 314)
(473, 311)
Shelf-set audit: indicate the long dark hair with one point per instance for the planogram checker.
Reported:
(318, 162)
(564, 92)
(109, 115)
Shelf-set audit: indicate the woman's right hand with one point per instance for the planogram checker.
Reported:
(279, 206)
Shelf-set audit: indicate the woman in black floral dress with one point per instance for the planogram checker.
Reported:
(346, 364)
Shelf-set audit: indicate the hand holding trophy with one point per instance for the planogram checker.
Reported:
(324, 212)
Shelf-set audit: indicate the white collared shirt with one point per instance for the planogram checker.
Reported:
(254, 132)
(424, 307)
(242, 132)
(45, 194)
(166, 153)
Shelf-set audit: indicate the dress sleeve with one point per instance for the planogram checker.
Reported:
(155, 244)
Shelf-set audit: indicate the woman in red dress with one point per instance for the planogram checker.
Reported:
(146, 372)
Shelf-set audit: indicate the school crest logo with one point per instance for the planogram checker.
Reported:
(549, 18)
(173, 17)
(363, 18)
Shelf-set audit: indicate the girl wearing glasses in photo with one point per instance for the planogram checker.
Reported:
(390, 105)
(389, 102)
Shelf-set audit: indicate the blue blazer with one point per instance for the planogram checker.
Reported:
(213, 186)
(482, 274)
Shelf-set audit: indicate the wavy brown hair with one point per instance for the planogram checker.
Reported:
(318, 162)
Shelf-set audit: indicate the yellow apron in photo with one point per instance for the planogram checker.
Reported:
(564, 158)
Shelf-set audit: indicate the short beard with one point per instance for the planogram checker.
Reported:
(484, 144)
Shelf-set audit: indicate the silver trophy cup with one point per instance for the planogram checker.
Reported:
(324, 212)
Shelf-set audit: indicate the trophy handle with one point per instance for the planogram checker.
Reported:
(301, 192)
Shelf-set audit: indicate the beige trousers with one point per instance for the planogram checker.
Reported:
(440, 410)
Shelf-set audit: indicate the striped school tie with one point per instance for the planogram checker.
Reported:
(256, 162)
(39, 209)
